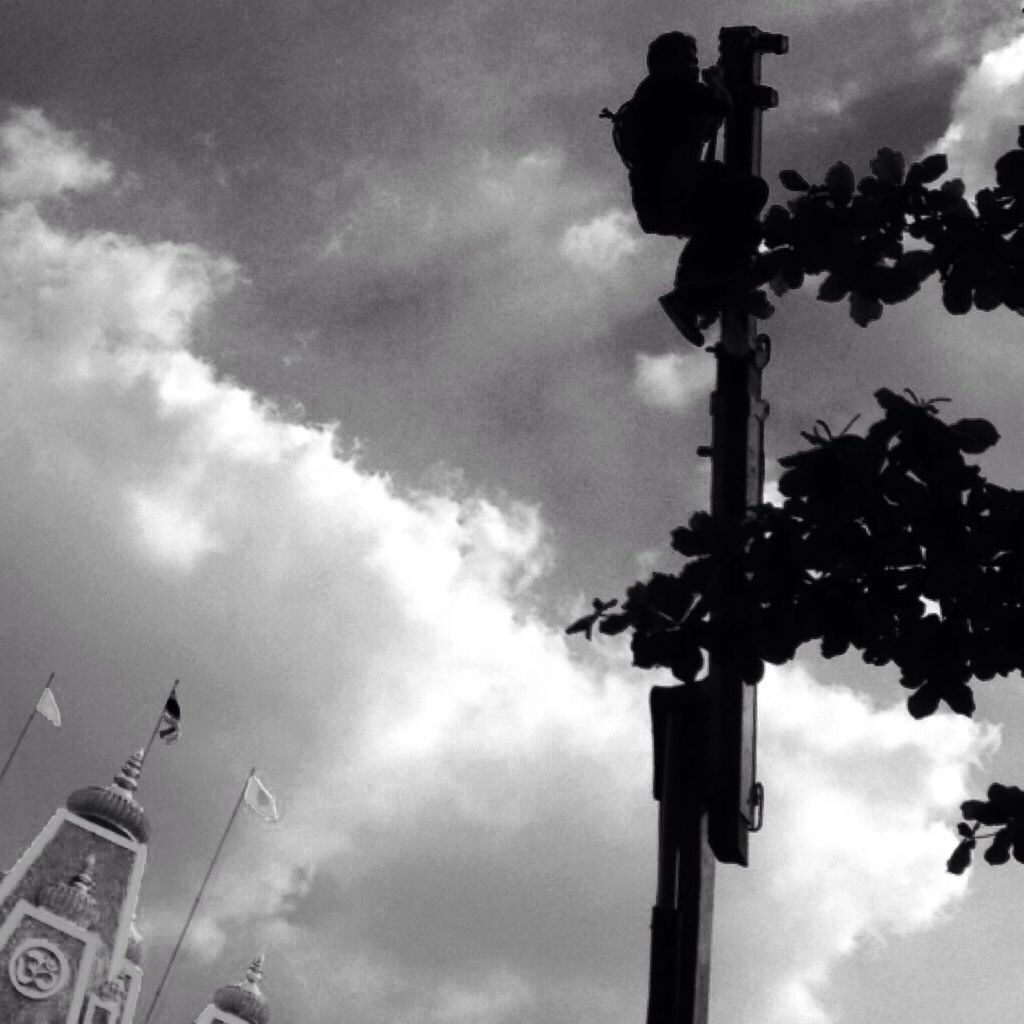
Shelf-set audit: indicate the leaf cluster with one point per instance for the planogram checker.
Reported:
(855, 233)
(1003, 809)
(889, 542)
(872, 526)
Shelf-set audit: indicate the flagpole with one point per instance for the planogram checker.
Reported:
(159, 721)
(21, 735)
(199, 896)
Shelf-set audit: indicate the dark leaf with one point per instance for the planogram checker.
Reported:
(999, 850)
(965, 830)
(777, 223)
(954, 187)
(778, 284)
(957, 292)
(918, 262)
(960, 859)
(982, 812)
(895, 284)
(614, 624)
(987, 296)
(1010, 171)
(888, 166)
(924, 701)
(931, 167)
(794, 181)
(833, 289)
(959, 697)
(688, 543)
(890, 401)
(974, 436)
(839, 181)
(584, 624)
(686, 661)
(752, 670)
(833, 645)
(793, 272)
(869, 186)
(864, 310)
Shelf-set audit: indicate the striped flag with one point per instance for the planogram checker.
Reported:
(47, 706)
(169, 728)
(259, 799)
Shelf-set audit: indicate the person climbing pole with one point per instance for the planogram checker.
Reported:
(664, 132)
(666, 136)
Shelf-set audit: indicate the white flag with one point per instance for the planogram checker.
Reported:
(47, 707)
(259, 799)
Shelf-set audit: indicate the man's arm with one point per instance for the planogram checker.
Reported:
(714, 79)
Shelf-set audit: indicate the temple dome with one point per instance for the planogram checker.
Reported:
(246, 1000)
(73, 900)
(115, 806)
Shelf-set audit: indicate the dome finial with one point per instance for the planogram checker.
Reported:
(128, 777)
(115, 805)
(246, 1000)
(255, 973)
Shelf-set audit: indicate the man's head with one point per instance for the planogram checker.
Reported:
(672, 53)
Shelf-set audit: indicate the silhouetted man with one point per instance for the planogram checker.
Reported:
(663, 131)
(666, 137)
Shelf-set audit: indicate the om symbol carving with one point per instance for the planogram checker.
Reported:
(38, 969)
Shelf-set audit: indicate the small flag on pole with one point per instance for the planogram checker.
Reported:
(169, 728)
(47, 706)
(259, 799)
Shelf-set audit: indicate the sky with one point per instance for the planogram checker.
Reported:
(335, 385)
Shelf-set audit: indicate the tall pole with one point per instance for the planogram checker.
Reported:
(159, 722)
(682, 915)
(199, 896)
(703, 733)
(21, 735)
(737, 459)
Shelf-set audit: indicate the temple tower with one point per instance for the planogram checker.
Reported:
(239, 1004)
(69, 949)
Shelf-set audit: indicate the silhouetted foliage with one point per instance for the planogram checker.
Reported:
(872, 527)
(875, 240)
(855, 232)
(1003, 808)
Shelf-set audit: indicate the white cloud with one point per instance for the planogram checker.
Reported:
(986, 113)
(469, 830)
(600, 243)
(39, 160)
(206, 939)
(859, 800)
(502, 996)
(673, 381)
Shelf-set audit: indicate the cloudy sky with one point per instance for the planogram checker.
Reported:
(334, 384)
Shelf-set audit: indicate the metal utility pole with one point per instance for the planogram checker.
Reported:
(704, 734)
(737, 460)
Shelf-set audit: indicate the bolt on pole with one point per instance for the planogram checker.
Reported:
(703, 734)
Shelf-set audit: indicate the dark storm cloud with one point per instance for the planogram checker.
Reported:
(337, 152)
